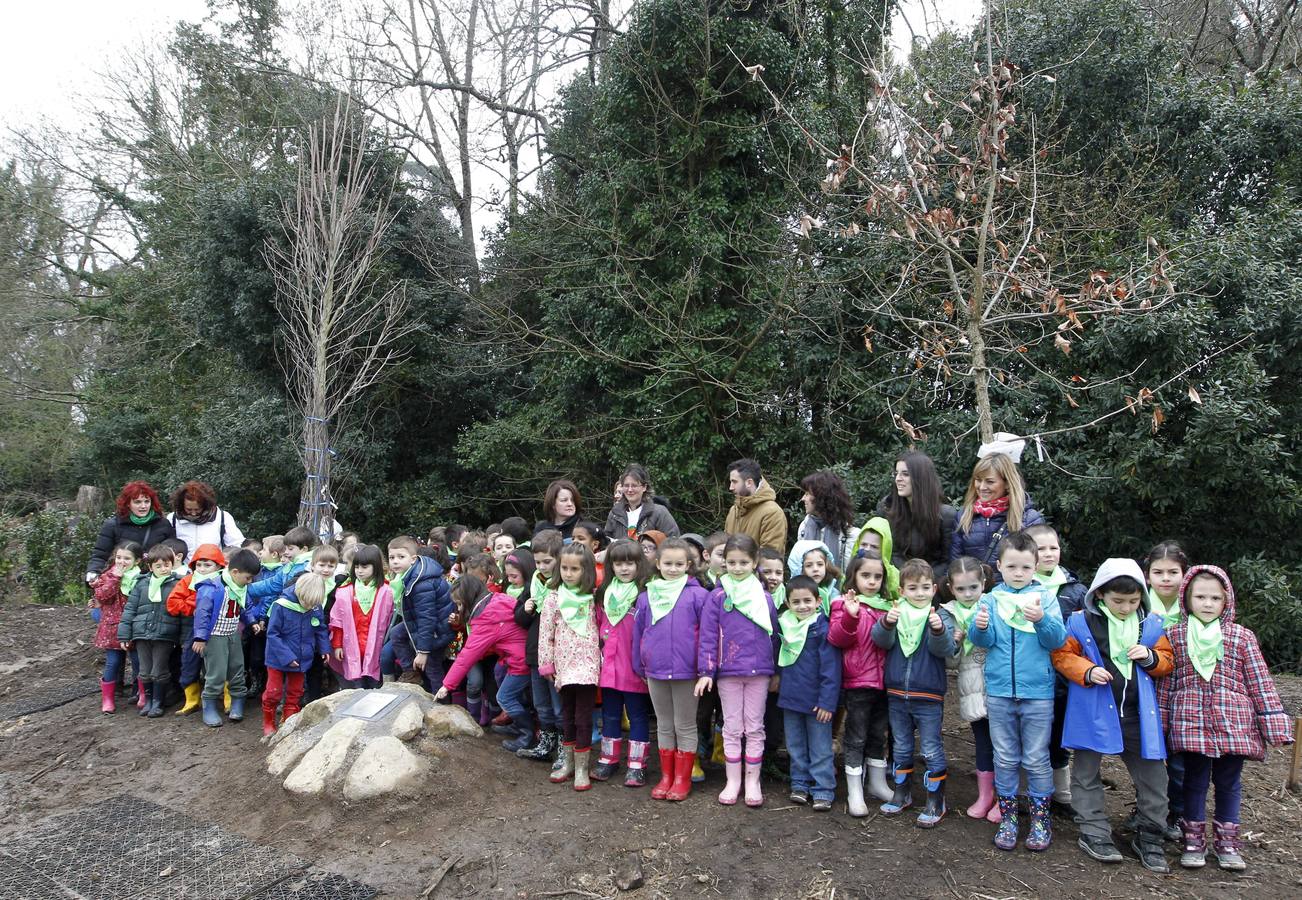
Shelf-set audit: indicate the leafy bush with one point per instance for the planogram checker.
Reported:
(1268, 599)
(56, 546)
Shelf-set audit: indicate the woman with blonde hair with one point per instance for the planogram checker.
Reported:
(995, 506)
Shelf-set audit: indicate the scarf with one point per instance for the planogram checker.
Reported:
(143, 520)
(1122, 635)
(1055, 579)
(234, 591)
(912, 623)
(794, 633)
(129, 579)
(272, 566)
(299, 608)
(619, 599)
(779, 595)
(574, 608)
(963, 616)
(1206, 645)
(515, 590)
(1170, 614)
(663, 595)
(876, 601)
(1009, 607)
(303, 559)
(537, 591)
(364, 594)
(825, 595)
(746, 595)
(196, 579)
(156, 587)
(396, 585)
(991, 509)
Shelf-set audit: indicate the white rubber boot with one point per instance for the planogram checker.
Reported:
(878, 786)
(854, 791)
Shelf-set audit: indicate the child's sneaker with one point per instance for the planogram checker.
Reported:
(1006, 836)
(822, 805)
(1147, 845)
(1100, 848)
(799, 797)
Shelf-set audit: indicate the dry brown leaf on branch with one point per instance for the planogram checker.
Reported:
(1158, 418)
(1062, 344)
(914, 433)
(1194, 396)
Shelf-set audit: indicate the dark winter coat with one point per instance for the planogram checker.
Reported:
(427, 607)
(938, 555)
(922, 675)
(115, 531)
(295, 640)
(814, 679)
(143, 620)
(654, 517)
(982, 541)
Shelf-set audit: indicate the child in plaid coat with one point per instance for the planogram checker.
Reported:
(1221, 708)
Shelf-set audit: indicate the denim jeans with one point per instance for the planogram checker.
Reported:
(614, 703)
(1020, 731)
(809, 744)
(546, 702)
(509, 697)
(925, 715)
(113, 662)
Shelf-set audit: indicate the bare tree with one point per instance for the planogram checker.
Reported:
(342, 333)
(1250, 39)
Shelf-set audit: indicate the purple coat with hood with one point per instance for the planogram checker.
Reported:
(667, 649)
(732, 646)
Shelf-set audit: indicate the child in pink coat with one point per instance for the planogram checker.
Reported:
(359, 620)
(862, 664)
(493, 631)
(622, 689)
(569, 654)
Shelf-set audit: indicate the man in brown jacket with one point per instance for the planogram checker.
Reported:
(755, 511)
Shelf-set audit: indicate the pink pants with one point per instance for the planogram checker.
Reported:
(743, 702)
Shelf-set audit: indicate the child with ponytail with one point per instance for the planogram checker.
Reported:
(110, 591)
(622, 689)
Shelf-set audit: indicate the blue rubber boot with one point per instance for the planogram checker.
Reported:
(903, 796)
(212, 717)
(237, 710)
(935, 808)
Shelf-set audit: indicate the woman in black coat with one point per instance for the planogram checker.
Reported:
(139, 517)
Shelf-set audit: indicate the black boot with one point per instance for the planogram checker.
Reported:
(1148, 845)
(155, 704)
(148, 688)
(545, 749)
(934, 811)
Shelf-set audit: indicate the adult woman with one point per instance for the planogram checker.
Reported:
(199, 520)
(829, 513)
(996, 505)
(635, 511)
(562, 506)
(922, 523)
(138, 517)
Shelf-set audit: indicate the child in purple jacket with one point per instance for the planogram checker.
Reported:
(665, 632)
(739, 647)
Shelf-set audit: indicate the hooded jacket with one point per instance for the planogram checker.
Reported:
(181, 601)
(1239, 711)
(356, 662)
(882, 528)
(922, 675)
(937, 555)
(863, 663)
(813, 529)
(427, 607)
(295, 640)
(667, 649)
(617, 669)
(982, 541)
(1018, 666)
(760, 517)
(1099, 715)
(143, 620)
(220, 529)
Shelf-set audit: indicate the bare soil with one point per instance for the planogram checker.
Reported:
(508, 832)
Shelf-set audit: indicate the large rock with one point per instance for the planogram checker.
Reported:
(360, 744)
(385, 766)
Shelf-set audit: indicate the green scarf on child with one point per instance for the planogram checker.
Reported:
(303, 559)
(662, 595)
(779, 595)
(538, 591)
(364, 593)
(826, 595)
(1009, 607)
(1054, 580)
(129, 579)
(237, 592)
(1206, 645)
(396, 585)
(156, 587)
(1122, 635)
(619, 599)
(746, 595)
(515, 590)
(1170, 614)
(963, 616)
(574, 608)
(911, 625)
(794, 632)
(876, 601)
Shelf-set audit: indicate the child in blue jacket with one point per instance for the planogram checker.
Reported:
(1019, 624)
(808, 693)
(297, 636)
(299, 543)
(421, 593)
(220, 604)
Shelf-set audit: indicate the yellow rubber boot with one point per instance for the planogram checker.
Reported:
(698, 774)
(718, 757)
(226, 697)
(192, 692)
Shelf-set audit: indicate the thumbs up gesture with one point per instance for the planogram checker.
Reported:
(1033, 611)
(893, 614)
(935, 622)
(982, 619)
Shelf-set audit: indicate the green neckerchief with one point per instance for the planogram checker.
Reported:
(794, 633)
(365, 593)
(1122, 635)
(396, 585)
(662, 595)
(1054, 580)
(1009, 607)
(1206, 645)
(619, 599)
(129, 579)
(876, 601)
(156, 587)
(298, 608)
(825, 596)
(1170, 614)
(963, 616)
(236, 591)
(912, 623)
(272, 566)
(515, 590)
(746, 595)
(537, 591)
(779, 595)
(143, 520)
(197, 579)
(181, 572)
(303, 559)
(574, 608)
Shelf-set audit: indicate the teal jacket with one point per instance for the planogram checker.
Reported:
(1018, 666)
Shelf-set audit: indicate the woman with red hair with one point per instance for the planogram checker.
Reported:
(138, 517)
(197, 519)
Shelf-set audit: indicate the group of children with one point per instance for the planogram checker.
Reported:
(1146, 664)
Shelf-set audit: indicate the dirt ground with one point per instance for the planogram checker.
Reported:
(511, 833)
